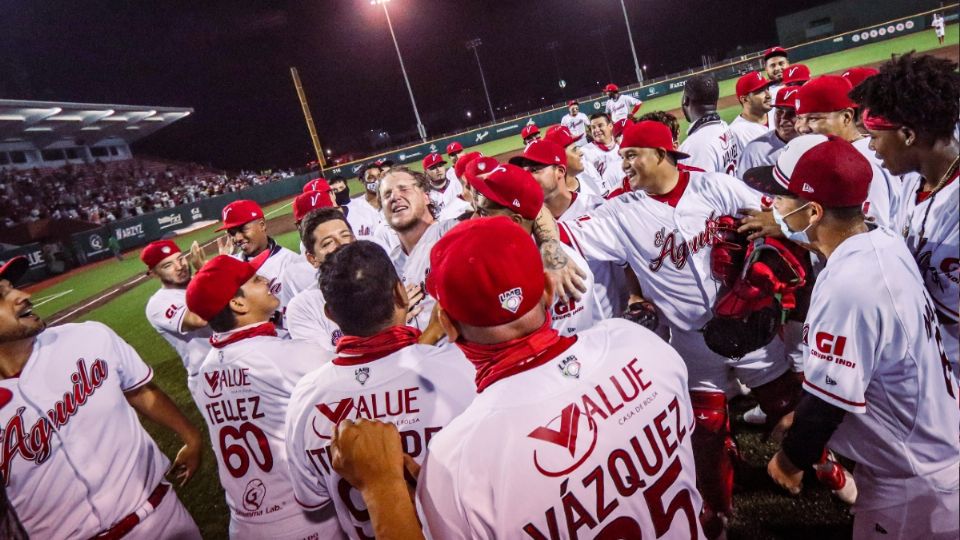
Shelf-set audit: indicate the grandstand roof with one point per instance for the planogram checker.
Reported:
(43, 123)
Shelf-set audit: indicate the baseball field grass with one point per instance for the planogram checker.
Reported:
(762, 510)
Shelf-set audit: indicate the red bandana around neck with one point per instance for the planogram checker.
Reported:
(354, 350)
(501, 360)
(602, 146)
(220, 341)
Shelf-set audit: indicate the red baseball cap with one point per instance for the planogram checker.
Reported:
(774, 51)
(820, 168)
(512, 187)
(432, 160)
(786, 97)
(480, 166)
(796, 74)
(317, 184)
(453, 148)
(572, 102)
(750, 83)
(857, 75)
(463, 162)
(14, 269)
(154, 252)
(650, 134)
(218, 282)
(611, 88)
(529, 131)
(240, 213)
(307, 202)
(486, 272)
(541, 152)
(561, 135)
(824, 94)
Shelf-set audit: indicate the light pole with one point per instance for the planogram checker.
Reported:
(552, 46)
(633, 49)
(416, 113)
(473, 44)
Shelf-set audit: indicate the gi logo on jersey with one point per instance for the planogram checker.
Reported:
(253, 495)
(362, 374)
(568, 440)
(511, 300)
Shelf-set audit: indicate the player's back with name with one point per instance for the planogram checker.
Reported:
(594, 442)
(243, 393)
(419, 388)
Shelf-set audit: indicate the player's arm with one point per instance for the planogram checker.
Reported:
(191, 321)
(154, 404)
(597, 236)
(814, 422)
(369, 455)
(567, 278)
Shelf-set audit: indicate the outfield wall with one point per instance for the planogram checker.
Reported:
(730, 70)
(92, 245)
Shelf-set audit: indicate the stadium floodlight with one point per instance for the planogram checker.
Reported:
(633, 49)
(422, 130)
(473, 44)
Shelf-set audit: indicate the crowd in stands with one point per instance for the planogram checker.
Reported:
(105, 192)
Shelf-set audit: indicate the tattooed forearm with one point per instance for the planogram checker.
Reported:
(545, 228)
(553, 256)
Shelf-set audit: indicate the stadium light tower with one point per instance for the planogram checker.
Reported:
(473, 44)
(633, 49)
(416, 113)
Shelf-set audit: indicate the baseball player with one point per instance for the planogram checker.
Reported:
(75, 460)
(340, 190)
(166, 309)
(665, 230)
(513, 192)
(775, 63)
(709, 143)
(365, 216)
(619, 106)
(824, 108)
(576, 122)
(317, 184)
(565, 411)
(247, 234)
(938, 27)
(454, 152)
(443, 191)
(755, 101)
(380, 371)
(247, 379)
(601, 152)
(878, 386)
(530, 133)
(855, 76)
(910, 107)
(582, 176)
(764, 149)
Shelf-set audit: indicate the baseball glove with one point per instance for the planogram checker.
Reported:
(643, 313)
(728, 252)
(735, 337)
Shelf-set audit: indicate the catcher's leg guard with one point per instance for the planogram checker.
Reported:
(780, 396)
(711, 443)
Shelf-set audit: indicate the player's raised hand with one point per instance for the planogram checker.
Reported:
(758, 224)
(785, 474)
(367, 453)
(414, 297)
(196, 255)
(225, 245)
(186, 463)
(563, 273)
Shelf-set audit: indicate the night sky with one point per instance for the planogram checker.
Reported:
(230, 61)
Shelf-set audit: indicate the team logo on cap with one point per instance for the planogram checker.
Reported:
(511, 300)
(807, 188)
(165, 250)
(516, 202)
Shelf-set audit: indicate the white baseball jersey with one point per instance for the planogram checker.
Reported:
(446, 196)
(298, 276)
(711, 146)
(873, 349)
(608, 163)
(244, 394)
(759, 152)
(668, 249)
(771, 115)
(619, 108)
(595, 442)
(577, 125)
(419, 388)
(455, 209)
(75, 458)
(275, 270)
(363, 218)
(306, 320)
(935, 245)
(165, 311)
(413, 267)
(572, 316)
(592, 182)
(452, 175)
(884, 188)
(746, 131)
(938, 25)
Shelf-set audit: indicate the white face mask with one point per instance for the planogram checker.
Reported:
(799, 237)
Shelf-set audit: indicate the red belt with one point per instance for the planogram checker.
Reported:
(131, 520)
